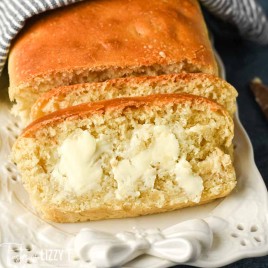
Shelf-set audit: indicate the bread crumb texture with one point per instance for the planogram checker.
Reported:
(203, 85)
(132, 162)
(28, 92)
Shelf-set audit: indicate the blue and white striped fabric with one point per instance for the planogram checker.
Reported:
(14, 13)
(247, 15)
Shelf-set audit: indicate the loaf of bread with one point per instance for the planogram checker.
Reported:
(196, 83)
(99, 40)
(127, 157)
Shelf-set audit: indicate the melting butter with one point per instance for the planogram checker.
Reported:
(141, 164)
(191, 183)
(151, 148)
(79, 162)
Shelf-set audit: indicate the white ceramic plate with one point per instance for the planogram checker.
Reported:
(226, 230)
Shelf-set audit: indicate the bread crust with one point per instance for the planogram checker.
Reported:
(118, 85)
(56, 214)
(111, 34)
(101, 107)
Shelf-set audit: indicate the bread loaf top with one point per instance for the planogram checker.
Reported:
(111, 36)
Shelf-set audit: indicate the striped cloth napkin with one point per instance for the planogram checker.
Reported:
(247, 15)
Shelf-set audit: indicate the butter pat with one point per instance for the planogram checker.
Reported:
(191, 183)
(138, 171)
(153, 150)
(79, 163)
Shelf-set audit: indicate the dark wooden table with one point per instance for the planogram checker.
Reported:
(243, 61)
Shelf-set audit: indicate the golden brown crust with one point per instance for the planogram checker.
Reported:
(100, 107)
(112, 34)
(120, 84)
(56, 214)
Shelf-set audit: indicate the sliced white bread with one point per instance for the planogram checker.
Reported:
(198, 84)
(127, 157)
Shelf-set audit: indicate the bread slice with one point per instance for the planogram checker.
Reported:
(197, 84)
(127, 157)
(98, 40)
